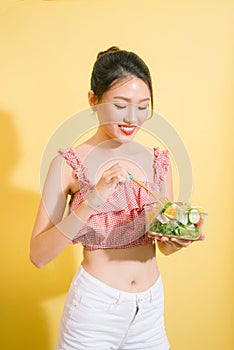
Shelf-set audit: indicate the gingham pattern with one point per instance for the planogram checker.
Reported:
(120, 221)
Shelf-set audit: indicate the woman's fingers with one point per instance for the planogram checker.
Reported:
(176, 242)
(180, 242)
(116, 174)
(202, 236)
(110, 178)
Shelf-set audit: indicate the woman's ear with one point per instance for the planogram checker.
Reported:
(92, 100)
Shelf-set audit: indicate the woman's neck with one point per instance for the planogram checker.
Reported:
(109, 144)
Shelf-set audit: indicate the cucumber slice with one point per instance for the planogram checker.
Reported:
(194, 216)
(165, 207)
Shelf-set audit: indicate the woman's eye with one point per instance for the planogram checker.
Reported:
(142, 108)
(120, 106)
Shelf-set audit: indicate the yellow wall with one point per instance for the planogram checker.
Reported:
(47, 51)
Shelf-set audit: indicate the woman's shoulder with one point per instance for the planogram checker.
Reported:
(75, 152)
(74, 160)
(67, 164)
(158, 151)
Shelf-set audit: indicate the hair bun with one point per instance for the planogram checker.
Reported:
(111, 49)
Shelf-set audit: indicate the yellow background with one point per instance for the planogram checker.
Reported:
(47, 52)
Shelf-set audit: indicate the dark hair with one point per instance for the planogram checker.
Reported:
(114, 64)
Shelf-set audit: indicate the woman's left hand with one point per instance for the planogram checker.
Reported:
(168, 245)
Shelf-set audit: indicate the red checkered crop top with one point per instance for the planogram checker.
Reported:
(119, 222)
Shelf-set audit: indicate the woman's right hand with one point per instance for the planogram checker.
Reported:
(105, 187)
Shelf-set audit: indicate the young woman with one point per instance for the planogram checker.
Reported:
(116, 298)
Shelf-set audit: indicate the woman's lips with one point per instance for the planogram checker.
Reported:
(127, 129)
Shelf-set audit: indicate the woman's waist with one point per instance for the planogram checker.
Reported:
(131, 270)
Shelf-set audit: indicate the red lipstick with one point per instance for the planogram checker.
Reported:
(127, 129)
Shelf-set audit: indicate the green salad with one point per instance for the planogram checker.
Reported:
(176, 229)
(179, 220)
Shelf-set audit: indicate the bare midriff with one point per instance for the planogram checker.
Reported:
(131, 269)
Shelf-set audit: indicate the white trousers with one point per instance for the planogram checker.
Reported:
(97, 316)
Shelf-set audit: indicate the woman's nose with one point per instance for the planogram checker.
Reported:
(130, 116)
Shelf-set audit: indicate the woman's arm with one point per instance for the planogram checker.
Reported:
(51, 233)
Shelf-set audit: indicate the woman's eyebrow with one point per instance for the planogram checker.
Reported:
(128, 99)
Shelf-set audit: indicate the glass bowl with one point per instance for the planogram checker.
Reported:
(178, 219)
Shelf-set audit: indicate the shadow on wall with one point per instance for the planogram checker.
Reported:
(23, 322)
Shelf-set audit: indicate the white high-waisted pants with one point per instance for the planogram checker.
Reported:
(97, 316)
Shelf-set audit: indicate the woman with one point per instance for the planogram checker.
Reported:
(116, 298)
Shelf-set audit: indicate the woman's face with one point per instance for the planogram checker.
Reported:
(123, 109)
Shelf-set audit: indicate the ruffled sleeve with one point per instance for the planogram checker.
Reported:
(79, 170)
(161, 165)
